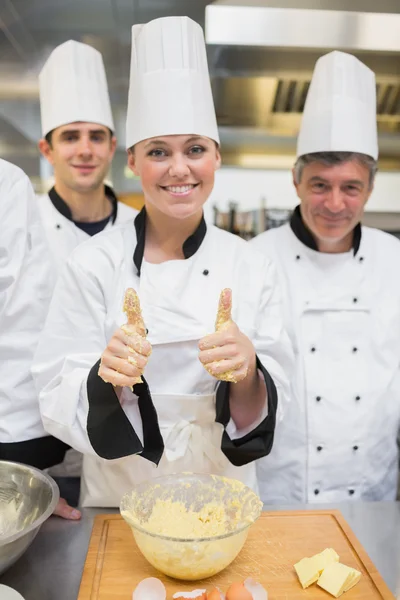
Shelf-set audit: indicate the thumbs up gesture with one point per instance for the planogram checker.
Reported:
(123, 361)
(227, 354)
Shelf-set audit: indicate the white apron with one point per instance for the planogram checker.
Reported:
(179, 303)
(191, 436)
(338, 440)
(192, 441)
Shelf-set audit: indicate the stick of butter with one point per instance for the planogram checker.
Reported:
(307, 572)
(337, 578)
(309, 569)
(325, 558)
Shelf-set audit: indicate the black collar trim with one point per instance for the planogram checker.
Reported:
(305, 236)
(190, 246)
(63, 208)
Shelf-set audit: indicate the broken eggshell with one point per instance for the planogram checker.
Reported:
(150, 589)
(256, 589)
(198, 594)
(215, 594)
(237, 591)
(153, 589)
(246, 590)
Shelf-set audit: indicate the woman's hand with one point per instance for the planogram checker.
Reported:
(227, 354)
(123, 361)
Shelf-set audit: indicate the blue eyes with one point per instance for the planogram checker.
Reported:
(197, 150)
(161, 153)
(156, 153)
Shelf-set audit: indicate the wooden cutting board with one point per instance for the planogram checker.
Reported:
(114, 564)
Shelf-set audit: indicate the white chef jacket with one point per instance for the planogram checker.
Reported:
(62, 233)
(25, 292)
(176, 419)
(342, 312)
(63, 236)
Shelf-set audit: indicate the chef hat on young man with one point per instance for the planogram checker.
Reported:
(340, 110)
(170, 90)
(73, 87)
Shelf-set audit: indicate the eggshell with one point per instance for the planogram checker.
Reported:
(150, 589)
(238, 591)
(198, 594)
(257, 591)
(7, 593)
(215, 594)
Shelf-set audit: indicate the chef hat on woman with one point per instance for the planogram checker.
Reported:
(169, 89)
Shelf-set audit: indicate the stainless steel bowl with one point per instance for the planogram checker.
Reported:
(27, 498)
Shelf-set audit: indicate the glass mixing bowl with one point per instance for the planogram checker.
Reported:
(187, 503)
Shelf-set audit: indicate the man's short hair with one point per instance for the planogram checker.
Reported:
(48, 137)
(331, 159)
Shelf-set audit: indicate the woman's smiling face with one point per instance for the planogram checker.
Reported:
(177, 172)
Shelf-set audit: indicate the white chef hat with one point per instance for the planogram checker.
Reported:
(169, 91)
(340, 109)
(73, 87)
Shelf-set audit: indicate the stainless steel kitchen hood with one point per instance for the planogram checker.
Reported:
(255, 23)
(262, 59)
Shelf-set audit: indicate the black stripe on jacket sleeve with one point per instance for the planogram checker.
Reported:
(256, 443)
(110, 432)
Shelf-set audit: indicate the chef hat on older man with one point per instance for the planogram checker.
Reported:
(170, 90)
(73, 87)
(340, 109)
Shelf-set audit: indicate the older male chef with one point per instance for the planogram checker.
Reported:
(342, 295)
(79, 142)
(25, 291)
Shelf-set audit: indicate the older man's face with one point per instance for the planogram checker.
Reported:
(332, 201)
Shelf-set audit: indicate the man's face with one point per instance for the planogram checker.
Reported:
(81, 154)
(333, 199)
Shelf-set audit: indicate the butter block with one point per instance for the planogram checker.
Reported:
(325, 558)
(307, 572)
(337, 578)
(309, 569)
(356, 576)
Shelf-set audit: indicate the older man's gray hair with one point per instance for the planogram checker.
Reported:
(331, 159)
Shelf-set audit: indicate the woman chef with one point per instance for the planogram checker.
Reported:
(207, 400)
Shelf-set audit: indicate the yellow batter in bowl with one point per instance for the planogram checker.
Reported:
(190, 526)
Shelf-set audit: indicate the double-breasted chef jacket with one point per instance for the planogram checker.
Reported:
(342, 311)
(25, 291)
(64, 234)
(38, 234)
(178, 419)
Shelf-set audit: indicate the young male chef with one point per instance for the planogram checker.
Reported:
(342, 301)
(79, 142)
(208, 401)
(25, 291)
